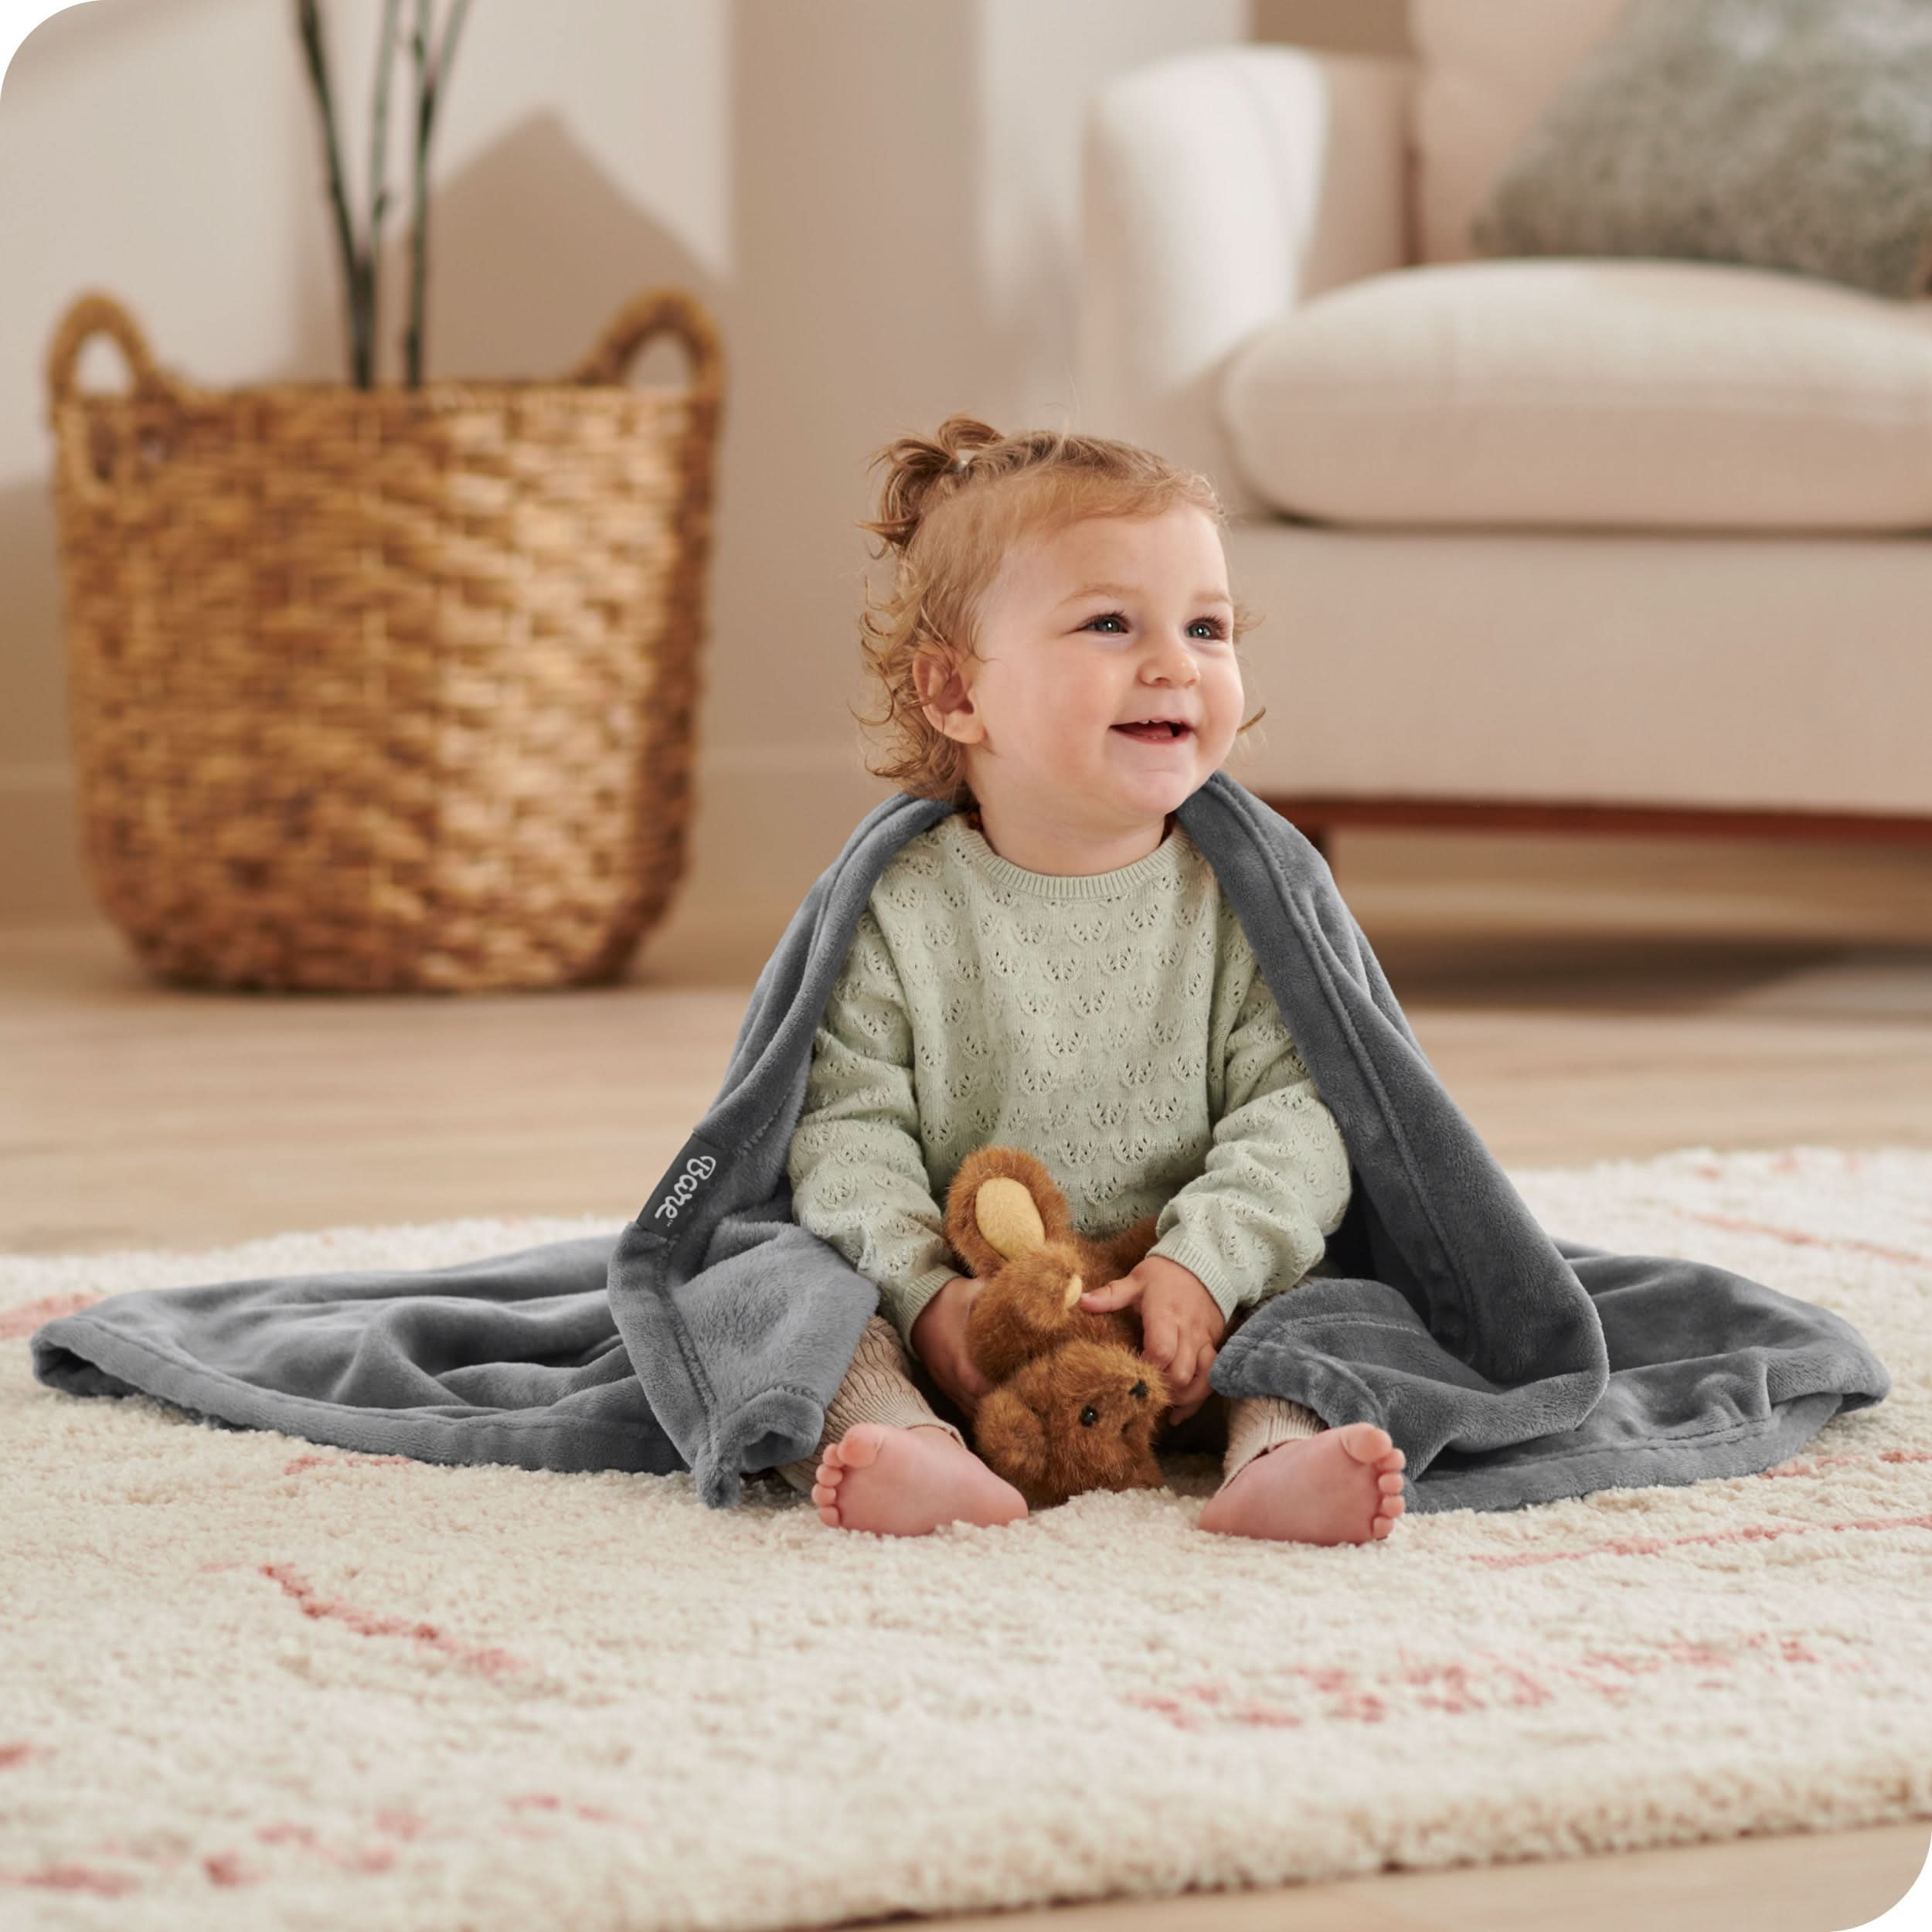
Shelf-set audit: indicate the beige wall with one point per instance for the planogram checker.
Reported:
(877, 199)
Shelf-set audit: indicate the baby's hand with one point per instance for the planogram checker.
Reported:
(939, 1340)
(1182, 1325)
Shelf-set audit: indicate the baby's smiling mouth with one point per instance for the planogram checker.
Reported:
(1165, 731)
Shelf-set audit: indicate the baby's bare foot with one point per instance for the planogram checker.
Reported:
(906, 1482)
(1342, 1486)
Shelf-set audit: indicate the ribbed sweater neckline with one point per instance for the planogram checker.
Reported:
(1162, 865)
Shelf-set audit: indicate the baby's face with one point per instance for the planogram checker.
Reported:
(1063, 665)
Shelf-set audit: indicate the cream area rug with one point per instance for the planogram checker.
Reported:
(252, 1682)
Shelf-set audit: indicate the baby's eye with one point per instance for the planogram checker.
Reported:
(1216, 628)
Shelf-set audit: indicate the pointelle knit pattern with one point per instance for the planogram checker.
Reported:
(1115, 1025)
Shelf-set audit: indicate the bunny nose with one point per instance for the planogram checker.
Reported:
(1138, 1391)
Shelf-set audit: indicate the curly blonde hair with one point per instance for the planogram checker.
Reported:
(951, 506)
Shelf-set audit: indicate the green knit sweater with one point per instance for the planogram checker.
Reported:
(1116, 1026)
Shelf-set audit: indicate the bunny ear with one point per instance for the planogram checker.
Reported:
(1003, 1203)
(1007, 1217)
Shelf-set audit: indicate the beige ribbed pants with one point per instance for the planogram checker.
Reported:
(885, 1384)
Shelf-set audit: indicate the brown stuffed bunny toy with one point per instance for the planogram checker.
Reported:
(1073, 1406)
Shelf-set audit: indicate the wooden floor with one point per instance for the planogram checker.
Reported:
(1610, 1006)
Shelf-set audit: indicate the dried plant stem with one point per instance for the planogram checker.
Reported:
(359, 264)
(378, 167)
(430, 77)
(309, 26)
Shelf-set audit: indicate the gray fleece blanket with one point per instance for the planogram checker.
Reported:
(1511, 1366)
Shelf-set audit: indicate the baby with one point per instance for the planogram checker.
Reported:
(1052, 966)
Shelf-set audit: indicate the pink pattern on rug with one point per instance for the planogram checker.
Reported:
(1682, 1653)
(1785, 1163)
(361, 1857)
(1460, 1690)
(493, 1662)
(1795, 1237)
(29, 1315)
(1352, 1701)
(1816, 1464)
(1487, 1681)
(79, 1878)
(13, 1754)
(1654, 1545)
(354, 1858)
(350, 1461)
(550, 1802)
(225, 1869)
(1798, 1238)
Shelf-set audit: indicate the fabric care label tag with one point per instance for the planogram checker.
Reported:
(682, 1186)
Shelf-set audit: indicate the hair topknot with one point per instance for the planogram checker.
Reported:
(951, 506)
(918, 463)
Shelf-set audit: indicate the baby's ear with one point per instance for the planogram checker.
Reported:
(944, 696)
(1002, 1203)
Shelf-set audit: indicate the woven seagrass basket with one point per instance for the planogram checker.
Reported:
(386, 689)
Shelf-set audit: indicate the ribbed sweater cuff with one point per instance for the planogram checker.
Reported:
(1197, 1255)
(906, 1303)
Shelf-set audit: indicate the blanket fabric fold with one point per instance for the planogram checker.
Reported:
(1511, 1366)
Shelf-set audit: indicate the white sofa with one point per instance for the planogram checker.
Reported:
(1616, 544)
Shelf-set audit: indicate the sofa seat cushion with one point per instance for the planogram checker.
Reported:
(1590, 393)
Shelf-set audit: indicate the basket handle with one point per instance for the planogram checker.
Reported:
(91, 315)
(644, 316)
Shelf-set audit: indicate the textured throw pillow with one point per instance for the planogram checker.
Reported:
(1791, 134)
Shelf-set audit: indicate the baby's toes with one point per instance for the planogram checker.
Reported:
(860, 1446)
(1391, 1506)
(826, 1477)
(1367, 1443)
(825, 1491)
